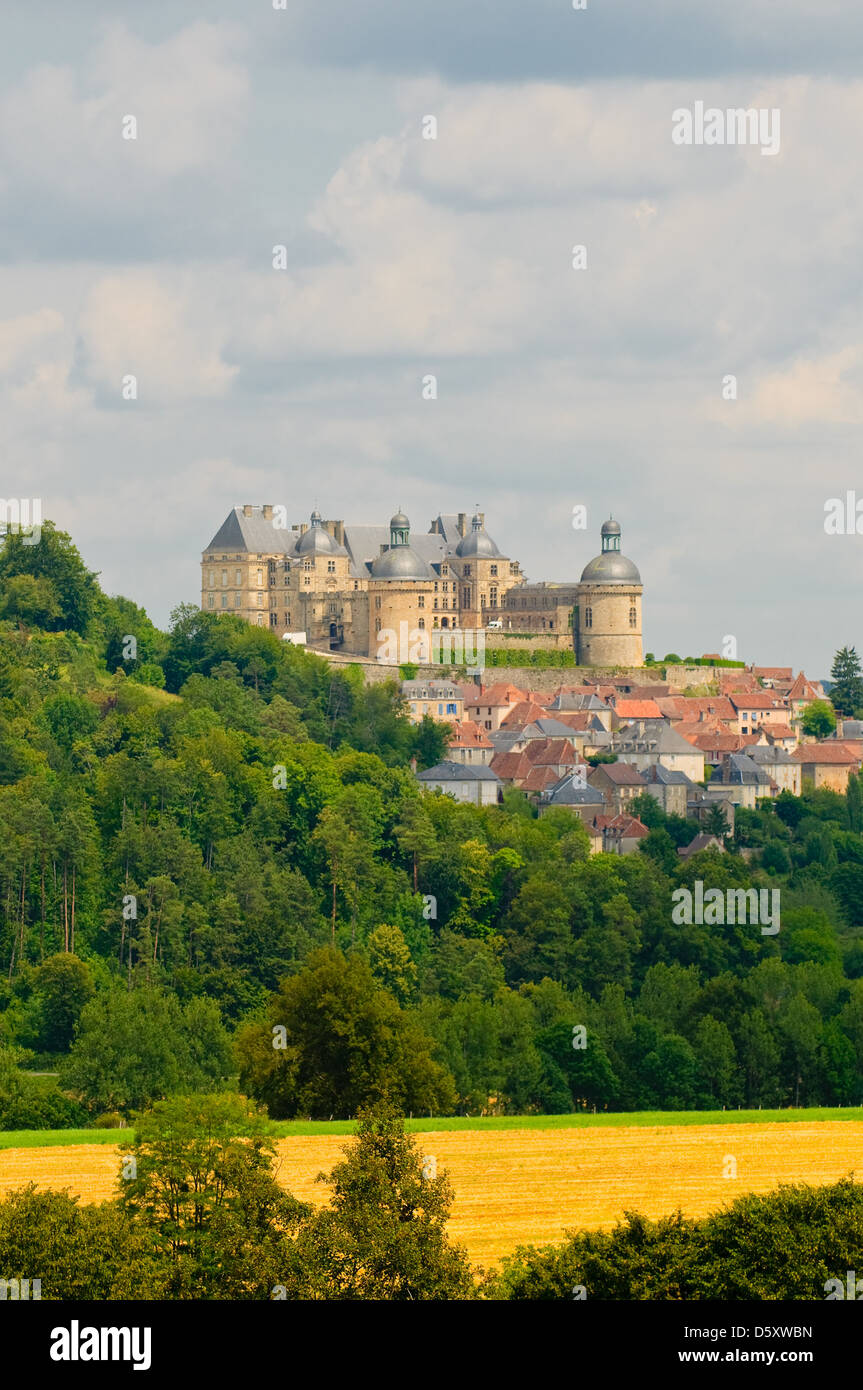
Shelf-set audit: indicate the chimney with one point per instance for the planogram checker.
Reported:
(267, 510)
(247, 509)
(462, 518)
(339, 532)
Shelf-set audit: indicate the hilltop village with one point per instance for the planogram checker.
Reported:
(594, 748)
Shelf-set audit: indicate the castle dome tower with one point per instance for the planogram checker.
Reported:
(606, 628)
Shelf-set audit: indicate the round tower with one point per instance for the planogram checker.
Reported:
(606, 628)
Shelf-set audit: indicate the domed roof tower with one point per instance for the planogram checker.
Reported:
(606, 627)
(317, 540)
(400, 561)
(477, 542)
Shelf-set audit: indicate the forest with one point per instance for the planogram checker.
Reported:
(219, 873)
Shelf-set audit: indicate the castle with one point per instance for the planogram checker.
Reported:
(346, 585)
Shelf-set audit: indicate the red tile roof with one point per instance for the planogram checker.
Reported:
(833, 753)
(637, 709)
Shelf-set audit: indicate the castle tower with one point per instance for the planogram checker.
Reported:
(606, 628)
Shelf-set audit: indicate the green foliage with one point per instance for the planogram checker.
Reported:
(786, 1245)
(846, 692)
(33, 1102)
(819, 719)
(346, 1042)
(66, 590)
(383, 1236)
(138, 1046)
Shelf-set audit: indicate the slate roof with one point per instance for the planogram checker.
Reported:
(458, 772)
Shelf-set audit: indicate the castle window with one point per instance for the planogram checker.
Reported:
(633, 617)
(238, 577)
(377, 602)
(445, 603)
(260, 620)
(465, 598)
(493, 571)
(588, 617)
(377, 624)
(467, 571)
(421, 601)
(446, 588)
(224, 579)
(331, 566)
(356, 584)
(260, 599)
(210, 600)
(493, 599)
(260, 578)
(435, 602)
(444, 570)
(421, 622)
(211, 578)
(274, 620)
(238, 600)
(224, 600)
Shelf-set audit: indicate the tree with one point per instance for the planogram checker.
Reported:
(384, 1236)
(87, 1252)
(391, 963)
(846, 692)
(819, 719)
(716, 822)
(335, 1041)
(71, 586)
(203, 1188)
(30, 601)
(142, 1045)
(63, 985)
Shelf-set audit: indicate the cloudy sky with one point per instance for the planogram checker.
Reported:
(406, 257)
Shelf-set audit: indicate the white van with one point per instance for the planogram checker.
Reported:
(495, 626)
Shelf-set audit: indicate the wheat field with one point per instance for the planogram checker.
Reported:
(528, 1186)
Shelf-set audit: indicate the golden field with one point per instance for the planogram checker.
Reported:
(518, 1186)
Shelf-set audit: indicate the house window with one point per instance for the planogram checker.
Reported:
(440, 709)
(451, 709)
